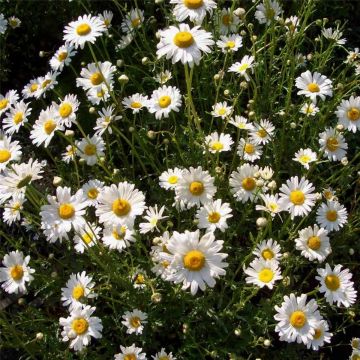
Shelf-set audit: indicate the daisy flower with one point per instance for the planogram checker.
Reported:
(125, 41)
(134, 321)
(9, 151)
(231, 43)
(222, 110)
(268, 11)
(97, 94)
(213, 216)
(107, 116)
(263, 273)
(333, 144)
(120, 204)
(241, 123)
(216, 142)
(248, 150)
(228, 22)
(313, 242)
(329, 193)
(266, 172)
(170, 178)
(348, 113)
(16, 117)
(334, 35)
(135, 102)
(62, 57)
(163, 355)
(130, 353)
(355, 343)
(272, 204)
(30, 89)
(164, 100)
(184, 44)
(14, 22)
(66, 110)
(45, 126)
(85, 29)
(133, 20)
(297, 197)
(292, 23)
(163, 77)
(313, 85)
(7, 100)
(331, 215)
(268, 250)
(243, 183)
(309, 109)
(3, 24)
(12, 209)
(241, 68)
(336, 285)
(91, 149)
(106, 18)
(15, 272)
(77, 289)
(321, 336)
(69, 154)
(86, 237)
(54, 232)
(80, 326)
(118, 237)
(138, 279)
(195, 10)
(195, 187)
(305, 156)
(91, 191)
(65, 210)
(153, 216)
(46, 83)
(195, 261)
(262, 132)
(297, 319)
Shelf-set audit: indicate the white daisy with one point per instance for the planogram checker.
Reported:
(292, 23)
(85, 29)
(195, 261)
(163, 355)
(14, 22)
(106, 18)
(86, 237)
(222, 110)
(195, 10)
(9, 151)
(331, 215)
(107, 116)
(135, 102)
(164, 100)
(170, 178)
(348, 113)
(12, 209)
(118, 237)
(69, 154)
(62, 57)
(313, 85)
(268, 11)
(231, 43)
(216, 142)
(321, 335)
(228, 21)
(241, 68)
(91, 149)
(98, 94)
(67, 109)
(153, 216)
(46, 83)
(80, 326)
(134, 321)
(263, 273)
(313, 242)
(184, 44)
(120, 204)
(163, 77)
(3, 24)
(272, 204)
(262, 132)
(29, 89)
(248, 150)
(213, 216)
(305, 156)
(133, 20)
(7, 100)
(309, 109)
(130, 353)
(16, 117)
(139, 279)
(333, 144)
(334, 35)
(78, 289)
(91, 191)
(16, 272)
(268, 250)
(296, 319)
(336, 285)
(195, 187)
(241, 123)
(297, 197)
(125, 41)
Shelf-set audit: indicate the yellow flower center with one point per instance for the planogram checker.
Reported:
(65, 109)
(164, 357)
(298, 319)
(5, 155)
(119, 235)
(3, 103)
(90, 149)
(80, 326)
(121, 207)
(249, 148)
(87, 238)
(78, 292)
(193, 4)
(15, 208)
(243, 67)
(273, 206)
(214, 217)
(328, 194)
(355, 357)
(33, 87)
(297, 197)
(222, 111)
(183, 39)
(267, 254)
(353, 114)
(49, 126)
(18, 117)
(135, 105)
(227, 20)
(135, 321)
(248, 184)
(17, 272)
(217, 146)
(332, 143)
(93, 193)
(312, 87)
(262, 133)
(101, 93)
(314, 242)
(194, 260)
(230, 44)
(62, 56)
(196, 188)
(66, 211)
(331, 215)
(130, 357)
(140, 279)
(304, 158)
(332, 282)
(266, 275)
(164, 101)
(135, 22)
(96, 78)
(318, 333)
(83, 29)
(45, 83)
(173, 179)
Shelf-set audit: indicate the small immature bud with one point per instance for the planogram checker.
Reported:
(196, 221)
(123, 79)
(71, 334)
(339, 86)
(158, 1)
(259, 182)
(251, 113)
(41, 54)
(185, 328)
(344, 161)
(242, 32)
(83, 63)
(267, 342)
(293, 125)
(340, 127)
(218, 170)
(237, 332)
(318, 22)
(239, 12)
(253, 38)
(69, 133)
(92, 110)
(216, 77)
(51, 256)
(166, 141)
(144, 60)
(170, 224)
(318, 196)
(261, 222)
(21, 301)
(309, 56)
(226, 92)
(351, 252)
(156, 240)
(272, 185)
(156, 298)
(116, 171)
(131, 129)
(286, 255)
(288, 62)
(151, 134)
(82, 161)
(54, 274)
(57, 180)
(244, 85)
(39, 336)
(286, 281)
(119, 63)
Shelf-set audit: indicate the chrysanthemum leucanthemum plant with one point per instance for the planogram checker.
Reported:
(181, 184)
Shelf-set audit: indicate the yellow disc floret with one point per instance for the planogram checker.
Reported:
(196, 188)
(17, 272)
(332, 143)
(93, 193)
(217, 146)
(298, 319)
(66, 211)
(267, 254)
(194, 260)
(49, 126)
(121, 207)
(248, 184)
(314, 242)
(164, 101)
(183, 39)
(193, 4)
(78, 292)
(353, 114)
(3, 103)
(65, 109)
(135, 105)
(5, 155)
(249, 148)
(90, 149)
(135, 321)
(214, 217)
(312, 87)
(18, 117)
(173, 179)
(266, 275)
(83, 29)
(96, 78)
(62, 56)
(332, 282)
(80, 326)
(297, 197)
(331, 215)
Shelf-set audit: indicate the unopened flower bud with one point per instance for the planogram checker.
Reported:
(286, 255)
(185, 328)
(39, 336)
(267, 342)
(123, 79)
(69, 133)
(244, 85)
(156, 298)
(239, 12)
(216, 77)
(115, 171)
(92, 110)
(351, 251)
(71, 334)
(226, 92)
(286, 281)
(293, 125)
(251, 114)
(57, 180)
(21, 301)
(237, 332)
(119, 63)
(131, 129)
(261, 222)
(272, 185)
(144, 60)
(51, 256)
(41, 54)
(340, 127)
(309, 56)
(260, 183)
(242, 32)
(82, 161)
(83, 63)
(54, 274)
(166, 141)
(218, 169)
(151, 134)
(196, 221)
(344, 161)
(253, 38)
